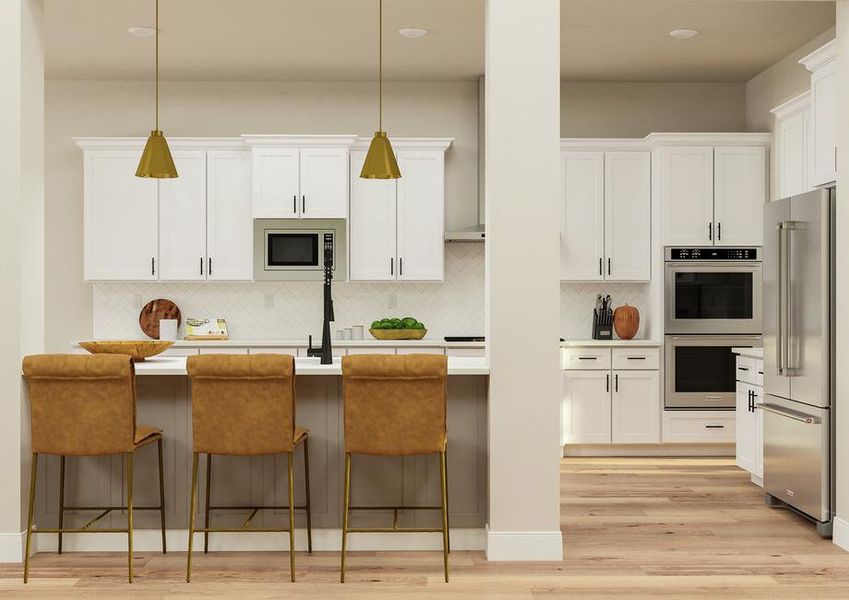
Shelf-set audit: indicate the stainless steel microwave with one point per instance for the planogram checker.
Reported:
(292, 249)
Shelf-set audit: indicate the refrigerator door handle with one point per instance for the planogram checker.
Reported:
(802, 418)
(779, 342)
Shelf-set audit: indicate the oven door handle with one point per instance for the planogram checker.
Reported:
(708, 337)
(790, 414)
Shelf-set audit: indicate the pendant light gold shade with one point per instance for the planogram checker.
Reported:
(380, 161)
(156, 159)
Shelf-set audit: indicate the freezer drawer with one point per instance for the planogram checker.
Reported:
(796, 455)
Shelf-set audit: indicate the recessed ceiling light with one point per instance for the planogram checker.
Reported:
(142, 31)
(684, 34)
(412, 32)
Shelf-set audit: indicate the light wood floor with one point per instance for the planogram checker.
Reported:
(633, 528)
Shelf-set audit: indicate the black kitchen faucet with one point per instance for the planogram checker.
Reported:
(325, 351)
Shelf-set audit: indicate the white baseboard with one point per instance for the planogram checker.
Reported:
(11, 547)
(523, 545)
(324, 540)
(840, 533)
(635, 450)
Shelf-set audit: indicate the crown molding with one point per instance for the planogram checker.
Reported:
(793, 106)
(137, 143)
(295, 141)
(820, 57)
(423, 144)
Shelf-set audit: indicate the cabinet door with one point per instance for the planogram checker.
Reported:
(372, 226)
(824, 122)
(739, 195)
(421, 224)
(120, 218)
(229, 237)
(627, 216)
(276, 183)
(636, 407)
(582, 228)
(324, 183)
(759, 437)
(793, 155)
(746, 431)
(585, 410)
(686, 195)
(182, 219)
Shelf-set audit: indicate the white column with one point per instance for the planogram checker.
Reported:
(841, 400)
(21, 248)
(522, 277)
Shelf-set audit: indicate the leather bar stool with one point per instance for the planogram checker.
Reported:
(395, 406)
(85, 405)
(244, 405)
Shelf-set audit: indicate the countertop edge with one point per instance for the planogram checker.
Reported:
(611, 343)
(299, 343)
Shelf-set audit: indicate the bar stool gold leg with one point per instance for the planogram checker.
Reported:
(33, 475)
(130, 516)
(194, 500)
(444, 482)
(307, 484)
(161, 495)
(290, 457)
(61, 498)
(208, 502)
(346, 501)
(447, 508)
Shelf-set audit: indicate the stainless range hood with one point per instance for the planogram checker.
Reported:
(475, 233)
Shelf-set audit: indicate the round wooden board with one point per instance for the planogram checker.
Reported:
(153, 311)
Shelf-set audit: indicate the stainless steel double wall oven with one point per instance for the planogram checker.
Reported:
(712, 304)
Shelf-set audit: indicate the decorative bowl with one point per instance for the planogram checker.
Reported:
(139, 350)
(398, 334)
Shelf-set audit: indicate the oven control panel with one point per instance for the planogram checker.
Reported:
(728, 254)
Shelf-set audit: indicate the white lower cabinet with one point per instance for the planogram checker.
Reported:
(749, 419)
(636, 407)
(603, 405)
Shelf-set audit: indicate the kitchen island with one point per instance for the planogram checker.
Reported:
(164, 400)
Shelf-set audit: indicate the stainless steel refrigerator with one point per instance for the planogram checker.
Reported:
(798, 309)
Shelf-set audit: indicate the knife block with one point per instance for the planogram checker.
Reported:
(603, 324)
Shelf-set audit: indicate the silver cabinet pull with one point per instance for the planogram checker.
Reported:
(790, 414)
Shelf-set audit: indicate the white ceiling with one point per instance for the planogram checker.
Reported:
(601, 40)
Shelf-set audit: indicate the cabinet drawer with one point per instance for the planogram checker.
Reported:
(699, 426)
(180, 352)
(465, 351)
(586, 358)
(636, 358)
(274, 350)
(750, 370)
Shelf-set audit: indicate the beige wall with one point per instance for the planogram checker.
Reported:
(86, 108)
(614, 109)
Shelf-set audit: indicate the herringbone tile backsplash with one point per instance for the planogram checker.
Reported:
(454, 307)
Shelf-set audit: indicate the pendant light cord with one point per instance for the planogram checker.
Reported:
(157, 65)
(380, 69)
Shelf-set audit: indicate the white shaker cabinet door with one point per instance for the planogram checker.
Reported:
(120, 218)
(421, 220)
(824, 117)
(746, 429)
(372, 226)
(324, 183)
(582, 228)
(276, 183)
(739, 195)
(182, 219)
(636, 407)
(793, 157)
(585, 410)
(686, 195)
(229, 238)
(627, 216)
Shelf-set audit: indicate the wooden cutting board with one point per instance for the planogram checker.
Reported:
(153, 311)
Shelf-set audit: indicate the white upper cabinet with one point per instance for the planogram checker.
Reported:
(606, 228)
(373, 225)
(300, 177)
(627, 216)
(686, 190)
(822, 64)
(397, 227)
(421, 220)
(229, 226)
(119, 217)
(182, 219)
(792, 146)
(739, 195)
(582, 229)
(324, 183)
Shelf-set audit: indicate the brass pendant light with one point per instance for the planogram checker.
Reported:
(156, 159)
(380, 161)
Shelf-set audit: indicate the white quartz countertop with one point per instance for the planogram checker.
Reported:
(750, 352)
(176, 365)
(608, 343)
(302, 343)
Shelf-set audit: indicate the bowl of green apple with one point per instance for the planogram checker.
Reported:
(393, 328)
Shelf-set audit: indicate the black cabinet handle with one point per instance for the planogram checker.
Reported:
(607, 382)
(710, 231)
(588, 358)
(600, 272)
(201, 265)
(295, 204)
(608, 266)
(750, 400)
(719, 231)
(401, 266)
(714, 426)
(392, 266)
(209, 270)
(635, 357)
(616, 379)
(152, 266)
(303, 205)
(742, 368)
